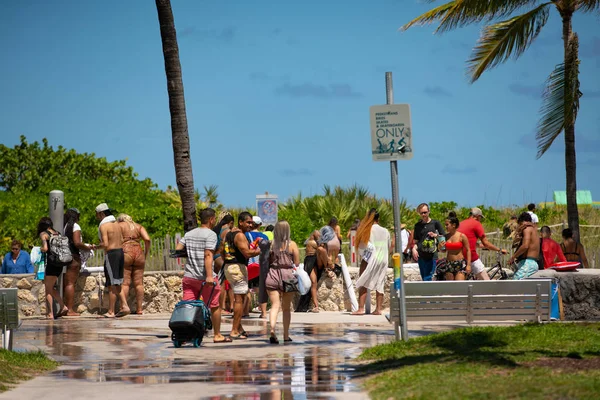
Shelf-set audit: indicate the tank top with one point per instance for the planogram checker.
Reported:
(233, 255)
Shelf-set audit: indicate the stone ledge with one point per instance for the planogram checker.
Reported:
(162, 290)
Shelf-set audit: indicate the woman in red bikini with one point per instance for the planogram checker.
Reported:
(454, 267)
(135, 257)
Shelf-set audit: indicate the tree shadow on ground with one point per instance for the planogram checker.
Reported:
(486, 348)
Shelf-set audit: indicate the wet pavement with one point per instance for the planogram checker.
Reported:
(134, 358)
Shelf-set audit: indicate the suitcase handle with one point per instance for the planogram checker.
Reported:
(212, 292)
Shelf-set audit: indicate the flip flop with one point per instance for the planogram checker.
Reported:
(108, 316)
(238, 337)
(64, 312)
(225, 340)
(121, 314)
(357, 313)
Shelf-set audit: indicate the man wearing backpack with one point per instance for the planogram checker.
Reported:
(114, 259)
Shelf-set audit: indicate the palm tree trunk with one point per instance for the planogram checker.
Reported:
(570, 156)
(179, 126)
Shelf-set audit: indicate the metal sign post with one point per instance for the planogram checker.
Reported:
(391, 139)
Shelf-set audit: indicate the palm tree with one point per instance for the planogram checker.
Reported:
(179, 126)
(504, 38)
(211, 195)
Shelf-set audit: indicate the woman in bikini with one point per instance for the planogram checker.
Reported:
(572, 250)
(331, 235)
(135, 257)
(454, 267)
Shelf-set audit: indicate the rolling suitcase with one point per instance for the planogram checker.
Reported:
(190, 321)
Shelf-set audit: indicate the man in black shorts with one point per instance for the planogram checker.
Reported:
(111, 241)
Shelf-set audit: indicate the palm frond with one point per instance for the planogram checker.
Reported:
(506, 39)
(459, 13)
(552, 120)
(588, 5)
(560, 102)
(430, 16)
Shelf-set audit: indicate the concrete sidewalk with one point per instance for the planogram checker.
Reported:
(134, 358)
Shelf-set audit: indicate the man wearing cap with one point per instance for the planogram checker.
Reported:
(114, 259)
(473, 230)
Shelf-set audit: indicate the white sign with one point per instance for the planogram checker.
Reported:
(391, 133)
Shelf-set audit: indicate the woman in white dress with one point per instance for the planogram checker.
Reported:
(373, 243)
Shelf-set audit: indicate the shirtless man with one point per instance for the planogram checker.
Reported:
(111, 241)
(527, 247)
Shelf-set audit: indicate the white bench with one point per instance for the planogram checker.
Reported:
(9, 315)
(474, 301)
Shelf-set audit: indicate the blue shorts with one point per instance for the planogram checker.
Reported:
(527, 267)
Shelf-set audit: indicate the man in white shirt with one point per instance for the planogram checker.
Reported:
(534, 217)
(404, 237)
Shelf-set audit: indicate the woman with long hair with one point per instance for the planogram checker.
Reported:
(53, 269)
(454, 267)
(373, 244)
(73, 233)
(135, 258)
(224, 225)
(283, 257)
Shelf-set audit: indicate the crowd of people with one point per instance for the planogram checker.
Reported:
(123, 266)
(225, 261)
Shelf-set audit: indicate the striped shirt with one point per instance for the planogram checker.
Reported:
(196, 241)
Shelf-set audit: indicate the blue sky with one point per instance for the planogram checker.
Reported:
(278, 96)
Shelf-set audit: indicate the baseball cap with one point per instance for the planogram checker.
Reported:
(74, 209)
(256, 219)
(101, 207)
(476, 211)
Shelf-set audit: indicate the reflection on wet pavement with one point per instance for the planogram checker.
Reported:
(315, 364)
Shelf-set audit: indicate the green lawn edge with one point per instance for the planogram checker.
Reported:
(16, 367)
(534, 361)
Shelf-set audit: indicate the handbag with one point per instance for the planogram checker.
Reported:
(290, 284)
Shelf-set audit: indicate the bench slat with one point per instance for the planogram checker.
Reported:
(479, 287)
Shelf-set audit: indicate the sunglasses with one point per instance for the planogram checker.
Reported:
(16, 249)
(424, 212)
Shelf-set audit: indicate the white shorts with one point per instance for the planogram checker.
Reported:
(477, 266)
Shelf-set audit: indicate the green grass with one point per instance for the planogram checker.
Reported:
(532, 361)
(16, 367)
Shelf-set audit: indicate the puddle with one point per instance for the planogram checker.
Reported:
(317, 363)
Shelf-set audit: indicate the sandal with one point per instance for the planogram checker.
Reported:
(288, 339)
(315, 310)
(274, 340)
(122, 313)
(238, 337)
(224, 340)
